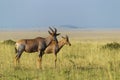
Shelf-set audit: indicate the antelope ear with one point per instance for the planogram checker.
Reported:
(66, 36)
(63, 37)
(49, 32)
(58, 34)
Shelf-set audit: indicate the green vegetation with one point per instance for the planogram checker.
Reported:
(81, 61)
(8, 42)
(113, 45)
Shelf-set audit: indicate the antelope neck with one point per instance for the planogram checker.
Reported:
(61, 44)
(48, 40)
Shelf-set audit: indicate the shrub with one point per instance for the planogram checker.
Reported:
(113, 45)
(9, 42)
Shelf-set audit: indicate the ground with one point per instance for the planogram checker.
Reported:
(84, 60)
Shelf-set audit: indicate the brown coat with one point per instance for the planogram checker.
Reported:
(56, 47)
(38, 44)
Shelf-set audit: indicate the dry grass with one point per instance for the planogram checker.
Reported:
(84, 60)
(88, 35)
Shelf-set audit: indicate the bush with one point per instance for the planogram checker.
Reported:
(9, 42)
(113, 45)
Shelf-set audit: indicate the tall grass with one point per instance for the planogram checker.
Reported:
(81, 61)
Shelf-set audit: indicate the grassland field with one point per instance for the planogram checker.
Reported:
(84, 60)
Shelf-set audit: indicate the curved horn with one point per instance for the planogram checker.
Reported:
(55, 30)
(51, 29)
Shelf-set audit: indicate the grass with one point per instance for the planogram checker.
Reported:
(82, 61)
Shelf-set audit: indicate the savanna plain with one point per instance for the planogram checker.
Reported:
(93, 55)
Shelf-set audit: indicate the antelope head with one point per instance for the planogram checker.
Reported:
(66, 40)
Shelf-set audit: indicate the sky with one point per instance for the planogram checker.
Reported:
(44, 13)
